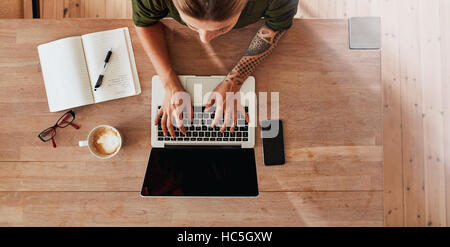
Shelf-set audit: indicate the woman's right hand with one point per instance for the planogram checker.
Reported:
(171, 112)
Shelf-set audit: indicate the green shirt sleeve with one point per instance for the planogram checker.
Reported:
(279, 14)
(148, 12)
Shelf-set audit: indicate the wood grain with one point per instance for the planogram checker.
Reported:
(403, 46)
(116, 8)
(320, 174)
(128, 209)
(94, 9)
(51, 9)
(27, 9)
(430, 44)
(129, 10)
(73, 9)
(444, 6)
(329, 9)
(392, 134)
(11, 9)
(56, 9)
(412, 124)
(415, 77)
(333, 144)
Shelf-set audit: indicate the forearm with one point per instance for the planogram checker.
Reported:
(261, 46)
(154, 43)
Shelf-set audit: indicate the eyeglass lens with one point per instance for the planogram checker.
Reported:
(65, 120)
(47, 134)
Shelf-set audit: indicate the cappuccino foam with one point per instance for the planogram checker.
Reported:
(106, 141)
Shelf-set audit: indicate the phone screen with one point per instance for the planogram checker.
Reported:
(272, 142)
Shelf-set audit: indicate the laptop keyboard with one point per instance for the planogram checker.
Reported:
(200, 129)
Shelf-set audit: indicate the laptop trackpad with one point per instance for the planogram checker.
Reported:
(201, 172)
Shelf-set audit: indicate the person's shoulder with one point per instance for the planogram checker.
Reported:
(280, 13)
(153, 4)
(149, 12)
(280, 3)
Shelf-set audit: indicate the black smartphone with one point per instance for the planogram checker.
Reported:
(272, 142)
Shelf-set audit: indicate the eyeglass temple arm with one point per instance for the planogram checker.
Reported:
(74, 125)
(53, 142)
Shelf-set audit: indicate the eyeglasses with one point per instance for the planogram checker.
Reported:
(64, 121)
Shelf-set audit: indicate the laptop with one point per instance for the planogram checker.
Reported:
(204, 162)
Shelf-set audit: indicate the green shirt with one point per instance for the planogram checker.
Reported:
(278, 14)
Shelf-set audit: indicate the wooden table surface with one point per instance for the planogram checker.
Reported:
(330, 102)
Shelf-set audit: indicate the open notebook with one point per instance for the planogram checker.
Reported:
(71, 66)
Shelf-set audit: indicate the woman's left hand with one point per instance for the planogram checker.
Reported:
(227, 98)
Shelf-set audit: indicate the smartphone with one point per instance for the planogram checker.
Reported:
(272, 142)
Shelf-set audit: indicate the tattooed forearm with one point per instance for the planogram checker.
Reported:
(261, 46)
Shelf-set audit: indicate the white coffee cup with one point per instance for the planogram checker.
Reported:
(103, 141)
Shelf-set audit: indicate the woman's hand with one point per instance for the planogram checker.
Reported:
(227, 98)
(176, 99)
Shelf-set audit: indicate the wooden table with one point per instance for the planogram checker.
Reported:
(330, 100)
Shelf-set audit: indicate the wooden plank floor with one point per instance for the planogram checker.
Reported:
(12, 9)
(416, 106)
(55, 9)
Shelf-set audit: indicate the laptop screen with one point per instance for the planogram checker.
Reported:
(201, 171)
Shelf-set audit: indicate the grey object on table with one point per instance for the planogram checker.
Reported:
(365, 32)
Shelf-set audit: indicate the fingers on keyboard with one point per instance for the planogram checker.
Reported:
(200, 128)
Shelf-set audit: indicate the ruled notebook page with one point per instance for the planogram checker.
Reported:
(118, 81)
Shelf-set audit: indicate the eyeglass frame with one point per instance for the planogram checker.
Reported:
(72, 113)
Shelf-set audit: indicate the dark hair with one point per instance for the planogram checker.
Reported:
(211, 10)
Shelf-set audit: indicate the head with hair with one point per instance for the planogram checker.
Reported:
(210, 18)
(210, 10)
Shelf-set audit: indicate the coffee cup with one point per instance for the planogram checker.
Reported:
(103, 141)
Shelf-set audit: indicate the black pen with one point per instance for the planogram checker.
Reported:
(102, 74)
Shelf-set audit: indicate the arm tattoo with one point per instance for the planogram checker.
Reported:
(261, 46)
